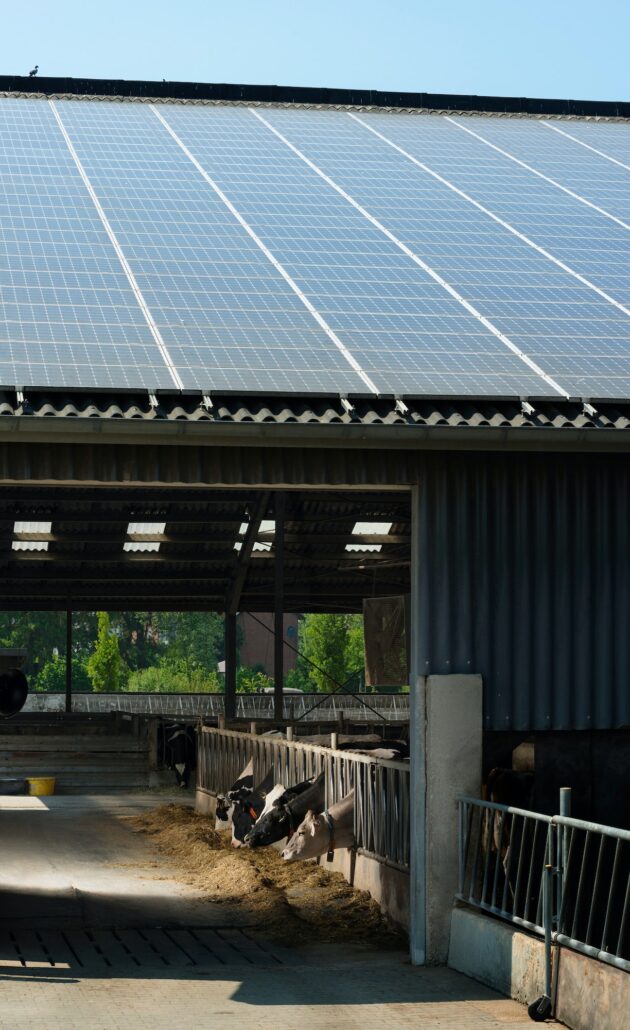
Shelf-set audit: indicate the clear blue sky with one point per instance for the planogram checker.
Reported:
(548, 48)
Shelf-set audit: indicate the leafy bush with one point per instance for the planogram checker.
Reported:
(252, 681)
(297, 679)
(170, 676)
(52, 677)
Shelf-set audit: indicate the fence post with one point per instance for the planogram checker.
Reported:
(460, 844)
(565, 810)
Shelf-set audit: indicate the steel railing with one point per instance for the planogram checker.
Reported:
(394, 707)
(565, 879)
(381, 806)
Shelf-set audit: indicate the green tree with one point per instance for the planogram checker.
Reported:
(105, 667)
(52, 677)
(331, 642)
(41, 633)
(355, 650)
(140, 637)
(194, 638)
(84, 630)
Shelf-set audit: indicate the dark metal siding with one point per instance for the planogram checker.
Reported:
(525, 578)
(268, 94)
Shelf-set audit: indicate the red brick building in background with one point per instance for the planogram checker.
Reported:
(256, 647)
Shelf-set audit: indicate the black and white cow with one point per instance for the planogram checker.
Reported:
(179, 748)
(287, 813)
(248, 805)
(225, 802)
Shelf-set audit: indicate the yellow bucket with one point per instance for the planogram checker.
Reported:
(39, 786)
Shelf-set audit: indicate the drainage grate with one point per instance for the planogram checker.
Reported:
(88, 951)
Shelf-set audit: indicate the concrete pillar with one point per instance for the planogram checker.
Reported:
(453, 766)
(445, 733)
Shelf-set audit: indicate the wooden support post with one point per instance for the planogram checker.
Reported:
(278, 620)
(230, 666)
(68, 705)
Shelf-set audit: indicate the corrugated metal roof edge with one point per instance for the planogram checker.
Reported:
(202, 92)
(321, 411)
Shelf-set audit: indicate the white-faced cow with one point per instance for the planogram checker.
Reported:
(322, 834)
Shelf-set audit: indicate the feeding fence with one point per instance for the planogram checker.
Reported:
(381, 799)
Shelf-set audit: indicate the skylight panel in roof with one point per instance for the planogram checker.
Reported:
(266, 526)
(369, 529)
(144, 528)
(31, 528)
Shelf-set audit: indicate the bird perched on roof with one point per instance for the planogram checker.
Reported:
(33, 72)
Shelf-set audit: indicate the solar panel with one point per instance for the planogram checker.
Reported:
(517, 229)
(286, 249)
(262, 176)
(68, 316)
(608, 139)
(229, 319)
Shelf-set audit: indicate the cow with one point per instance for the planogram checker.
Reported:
(225, 802)
(324, 833)
(278, 797)
(287, 813)
(501, 834)
(248, 805)
(179, 747)
(277, 791)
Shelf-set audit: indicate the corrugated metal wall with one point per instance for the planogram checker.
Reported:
(525, 578)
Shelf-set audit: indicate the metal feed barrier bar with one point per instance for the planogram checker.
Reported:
(565, 879)
(394, 707)
(381, 806)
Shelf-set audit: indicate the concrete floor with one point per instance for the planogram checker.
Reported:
(97, 932)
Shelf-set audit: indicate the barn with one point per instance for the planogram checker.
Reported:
(235, 315)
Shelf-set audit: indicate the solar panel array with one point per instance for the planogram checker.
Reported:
(263, 249)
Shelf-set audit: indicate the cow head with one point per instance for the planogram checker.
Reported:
(243, 819)
(297, 847)
(273, 826)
